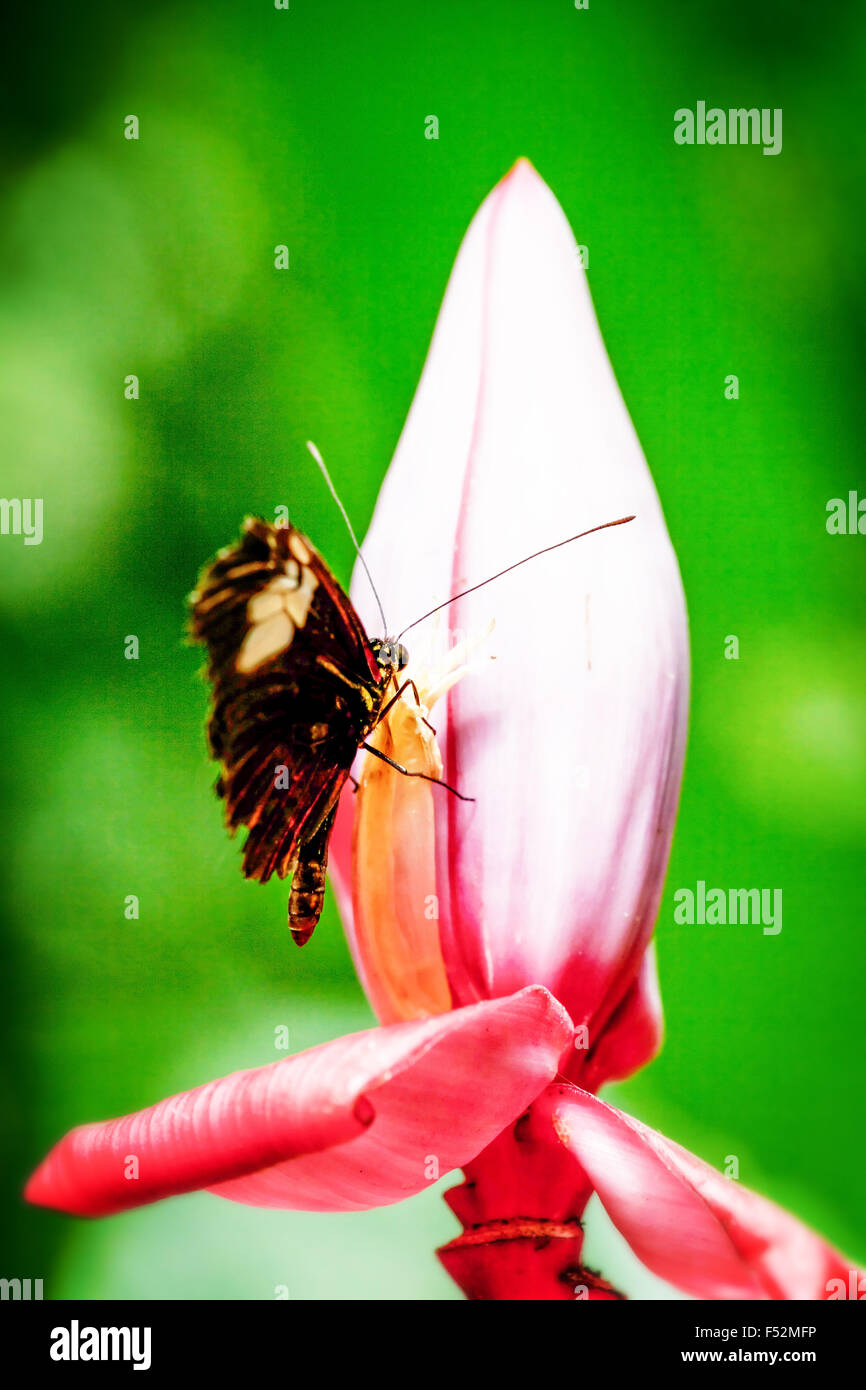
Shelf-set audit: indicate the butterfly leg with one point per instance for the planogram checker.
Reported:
(394, 698)
(368, 747)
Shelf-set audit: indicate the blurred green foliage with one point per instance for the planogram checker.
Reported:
(262, 126)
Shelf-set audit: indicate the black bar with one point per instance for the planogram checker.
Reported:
(258, 1337)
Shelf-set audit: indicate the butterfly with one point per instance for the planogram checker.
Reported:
(297, 688)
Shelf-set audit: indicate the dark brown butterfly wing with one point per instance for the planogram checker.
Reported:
(296, 689)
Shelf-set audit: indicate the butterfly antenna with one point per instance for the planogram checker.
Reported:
(525, 561)
(326, 475)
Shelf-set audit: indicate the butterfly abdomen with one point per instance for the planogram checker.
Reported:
(308, 883)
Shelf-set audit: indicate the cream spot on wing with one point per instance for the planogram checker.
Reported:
(264, 605)
(298, 549)
(297, 603)
(241, 571)
(284, 584)
(264, 640)
(274, 615)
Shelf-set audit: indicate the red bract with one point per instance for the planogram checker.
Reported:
(504, 943)
(354, 1123)
(686, 1222)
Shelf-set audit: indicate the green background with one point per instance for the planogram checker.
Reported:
(306, 127)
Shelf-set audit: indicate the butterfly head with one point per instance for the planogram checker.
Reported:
(390, 654)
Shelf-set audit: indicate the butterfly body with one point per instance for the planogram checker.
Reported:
(297, 688)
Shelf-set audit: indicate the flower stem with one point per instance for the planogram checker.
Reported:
(521, 1209)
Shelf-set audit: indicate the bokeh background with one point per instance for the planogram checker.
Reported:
(306, 127)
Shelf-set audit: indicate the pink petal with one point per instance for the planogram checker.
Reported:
(573, 741)
(686, 1222)
(629, 1038)
(358, 1122)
